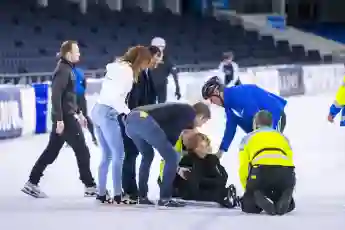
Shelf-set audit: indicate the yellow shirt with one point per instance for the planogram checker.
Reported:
(340, 96)
(264, 146)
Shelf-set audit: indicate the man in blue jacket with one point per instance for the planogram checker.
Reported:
(241, 103)
(80, 88)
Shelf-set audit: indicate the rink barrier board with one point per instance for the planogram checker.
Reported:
(25, 110)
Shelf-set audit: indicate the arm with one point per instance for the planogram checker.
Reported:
(58, 87)
(230, 131)
(339, 101)
(244, 163)
(174, 74)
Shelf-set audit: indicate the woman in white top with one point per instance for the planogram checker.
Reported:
(117, 83)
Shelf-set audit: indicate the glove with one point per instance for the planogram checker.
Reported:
(122, 117)
(177, 94)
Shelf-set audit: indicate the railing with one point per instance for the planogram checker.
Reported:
(29, 78)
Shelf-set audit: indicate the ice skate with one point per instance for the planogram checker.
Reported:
(170, 203)
(90, 191)
(263, 202)
(231, 199)
(33, 190)
(284, 202)
(145, 200)
(105, 199)
(129, 199)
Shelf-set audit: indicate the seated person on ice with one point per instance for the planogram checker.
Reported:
(266, 171)
(200, 176)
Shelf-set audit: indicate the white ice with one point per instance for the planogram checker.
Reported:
(320, 192)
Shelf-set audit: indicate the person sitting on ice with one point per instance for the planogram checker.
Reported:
(200, 175)
(266, 171)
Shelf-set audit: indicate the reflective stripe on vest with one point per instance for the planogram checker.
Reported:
(256, 156)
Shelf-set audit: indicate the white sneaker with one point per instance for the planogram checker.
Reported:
(33, 190)
(90, 191)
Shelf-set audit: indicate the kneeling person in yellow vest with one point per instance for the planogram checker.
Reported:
(267, 171)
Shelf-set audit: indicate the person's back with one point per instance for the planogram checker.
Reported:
(171, 117)
(266, 169)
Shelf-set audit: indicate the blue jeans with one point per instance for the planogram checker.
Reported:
(109, 136)
(146, 135)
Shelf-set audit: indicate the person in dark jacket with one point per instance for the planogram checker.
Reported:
(67, 125)
(160, 74)
(159, 126)
(80, 89)
(200, 175)
(142, 93)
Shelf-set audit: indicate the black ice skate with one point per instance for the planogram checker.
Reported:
(90, 191)
(263, 202)
(129, 199)
(105, 199)
(170, 203)
(33, 190)
(283, 204)
(231, 200)
(145, 200)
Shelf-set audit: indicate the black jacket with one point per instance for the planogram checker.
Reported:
(172, 118)
(143, 92)
(162, 71)
(63, 91)
(206, 172)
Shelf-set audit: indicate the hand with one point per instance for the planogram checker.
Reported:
(330, 118)
(183, 172)
(82, 120)
(177, 94)
(60, 126)
(122, 118)
(219, 154)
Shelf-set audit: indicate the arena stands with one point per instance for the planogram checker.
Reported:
(32, 35)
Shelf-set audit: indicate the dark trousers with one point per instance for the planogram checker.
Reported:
(129, 181)
(73, 135)
(161, 92)
(271, 181)
(146, 135)
(81, 101)
(200, 189)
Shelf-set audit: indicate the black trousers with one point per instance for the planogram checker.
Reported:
(272, 181)
(161, 92)
(129, 181)
(81, 101)
(200, 189)
(73, 135)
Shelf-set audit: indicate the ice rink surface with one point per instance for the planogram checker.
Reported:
(319, 149)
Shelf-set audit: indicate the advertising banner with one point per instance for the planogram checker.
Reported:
(11, 117)
(291, 81)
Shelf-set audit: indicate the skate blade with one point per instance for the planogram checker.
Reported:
(32, 194)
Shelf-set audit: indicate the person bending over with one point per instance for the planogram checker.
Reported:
(159, 126)
(266, 171)
(200, 175)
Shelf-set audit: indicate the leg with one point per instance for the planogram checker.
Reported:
(129, 182)
(104, 164)
(48, 156)
(248, 203)
(75, 138)
(112, 134)
(162, 93)
(147, 129)
(147, 153)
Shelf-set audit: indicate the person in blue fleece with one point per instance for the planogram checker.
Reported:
(80, 89)
(241, 103)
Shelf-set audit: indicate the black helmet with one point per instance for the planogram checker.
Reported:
(212, 84)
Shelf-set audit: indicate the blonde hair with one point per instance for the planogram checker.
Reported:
(136, 56)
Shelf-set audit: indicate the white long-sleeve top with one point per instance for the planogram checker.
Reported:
(235, 72)
(116, 85)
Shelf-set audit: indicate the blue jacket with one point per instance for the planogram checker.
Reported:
(80, 81)
(241, 103)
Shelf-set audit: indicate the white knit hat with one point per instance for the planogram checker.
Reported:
(158, 41)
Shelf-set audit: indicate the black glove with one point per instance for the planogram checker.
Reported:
(177, 94)
(122, 117)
